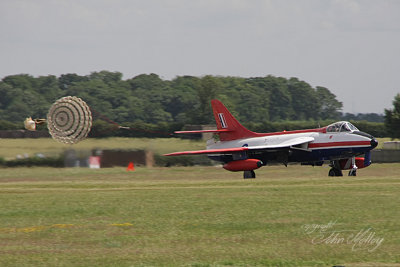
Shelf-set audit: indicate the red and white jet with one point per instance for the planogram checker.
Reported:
(341, 144)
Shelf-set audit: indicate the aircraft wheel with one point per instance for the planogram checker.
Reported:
(249, 174)
(335, 172)
(353, 173)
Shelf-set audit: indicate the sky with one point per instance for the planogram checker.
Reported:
(351, 47)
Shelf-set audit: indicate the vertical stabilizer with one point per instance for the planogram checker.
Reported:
(226, 121)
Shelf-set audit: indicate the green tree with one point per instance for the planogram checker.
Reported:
(392, 118)
(207, 90)
(251, 102)
(106, 76)
(20, 98)
(304, 100)
(47, 87)
(183, 98)
(329, 106)
(22, 81)
(66, 80)
(154, 95)
(147, 99)
(280, 107)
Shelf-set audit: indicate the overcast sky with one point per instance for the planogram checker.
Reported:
(352, 47)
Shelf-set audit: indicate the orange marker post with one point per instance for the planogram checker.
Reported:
(131, 167)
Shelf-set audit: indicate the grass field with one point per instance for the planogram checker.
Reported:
(199, 216)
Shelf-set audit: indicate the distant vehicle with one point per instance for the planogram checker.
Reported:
(341, 144)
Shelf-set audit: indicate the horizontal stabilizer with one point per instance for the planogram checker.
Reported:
(209, 151)
(202, 131)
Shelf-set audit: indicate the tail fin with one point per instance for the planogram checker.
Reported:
(229, 128)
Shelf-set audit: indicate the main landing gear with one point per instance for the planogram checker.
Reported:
(335, 172)
(249, 174)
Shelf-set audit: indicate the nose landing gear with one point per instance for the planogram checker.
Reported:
(353, 170)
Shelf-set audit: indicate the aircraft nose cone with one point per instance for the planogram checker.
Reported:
(374, 142)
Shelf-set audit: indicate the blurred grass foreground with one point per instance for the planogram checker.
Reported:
(199, 216)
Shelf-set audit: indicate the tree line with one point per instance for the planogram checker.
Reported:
(149, 100)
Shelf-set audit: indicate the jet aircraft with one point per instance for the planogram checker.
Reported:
(239, 149)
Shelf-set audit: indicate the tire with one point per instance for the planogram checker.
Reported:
(353, 173)
(335, 172)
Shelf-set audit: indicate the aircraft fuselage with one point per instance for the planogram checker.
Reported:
(326, 146)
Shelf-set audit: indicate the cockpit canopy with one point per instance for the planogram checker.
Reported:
(341, 126)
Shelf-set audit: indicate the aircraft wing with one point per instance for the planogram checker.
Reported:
(284, 144)
(288, 143)
(209, 151)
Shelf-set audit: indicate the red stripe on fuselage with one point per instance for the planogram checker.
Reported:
(336, 144)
